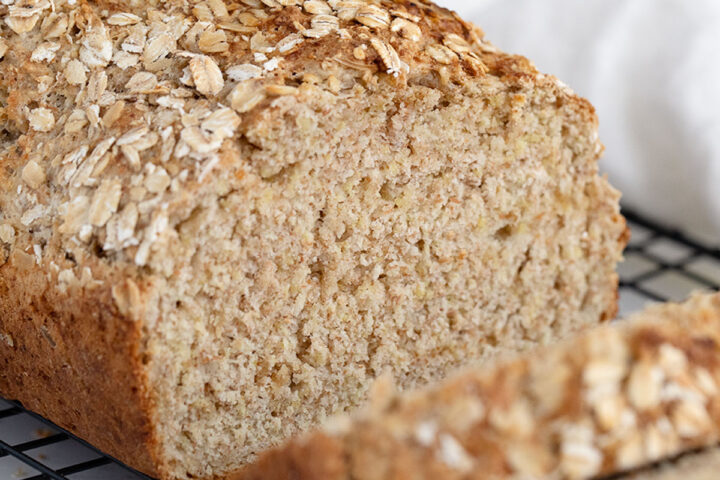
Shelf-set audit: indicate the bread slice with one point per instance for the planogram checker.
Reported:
(220, 221)
(614, 399)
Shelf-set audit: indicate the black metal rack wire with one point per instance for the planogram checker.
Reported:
(661, 264)
(33, 460)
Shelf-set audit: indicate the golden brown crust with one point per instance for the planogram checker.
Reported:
(615, 399)
(73, 357)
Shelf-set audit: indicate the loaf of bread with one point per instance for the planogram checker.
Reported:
(221, 220)
(609, 401)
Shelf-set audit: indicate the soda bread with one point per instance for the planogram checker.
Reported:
(221, 220)
(614, 399)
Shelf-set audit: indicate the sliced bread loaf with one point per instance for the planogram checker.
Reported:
(220, 221)
(614, 399)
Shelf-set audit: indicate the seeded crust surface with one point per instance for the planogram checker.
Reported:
(615, 399)
(220, 220)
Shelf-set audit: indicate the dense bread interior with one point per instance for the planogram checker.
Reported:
(405, 230)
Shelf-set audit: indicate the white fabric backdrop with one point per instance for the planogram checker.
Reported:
(652, 69)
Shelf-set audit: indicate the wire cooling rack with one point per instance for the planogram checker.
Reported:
(660, 265)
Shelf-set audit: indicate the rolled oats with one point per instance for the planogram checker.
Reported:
(96, 47)
(389, 57)
(41, 119)
(206, 75)
(259, 43)
(200, 141)
(580, 460)
(348, 10)
(123, 19)
(75, 73)
(83, 175)
(672, 360)
(453, 454)
(31, 215)
(45, 52)
(133, 135)
(33, 174)
(134, 42)
(150, 235)
(157, 179)
(7, 233)
(441, 54)
(104, 202)
(96, 86)
(246, 96)
(75, 215)
(240, 73)
(157, 48)
(406, 29)
(22, 24)
(219, 9)
(280, 90)
(456, 43)
(142, 82)
(131, 155)
(325, 22)
(373, 16)
(317, 7)
(127, 297)
(54, 25)
(112, 114)
(125, 60)
(691, 419)
(222, 123)
(213, 42)
(644, 386)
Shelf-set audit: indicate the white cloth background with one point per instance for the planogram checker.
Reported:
(652, 69)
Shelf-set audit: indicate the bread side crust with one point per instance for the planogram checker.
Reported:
(74, 358)
(613, 400)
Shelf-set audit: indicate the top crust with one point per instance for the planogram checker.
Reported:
(115, 115)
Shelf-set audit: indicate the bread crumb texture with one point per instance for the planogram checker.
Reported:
(261, 206)
(617, 398)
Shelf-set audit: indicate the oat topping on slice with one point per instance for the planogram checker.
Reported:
(207, 76)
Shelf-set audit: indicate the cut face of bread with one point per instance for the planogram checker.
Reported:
(612, 400)
(219, 225)
(408, 241)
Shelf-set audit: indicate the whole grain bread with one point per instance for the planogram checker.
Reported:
(614, 399)
(221, 221)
